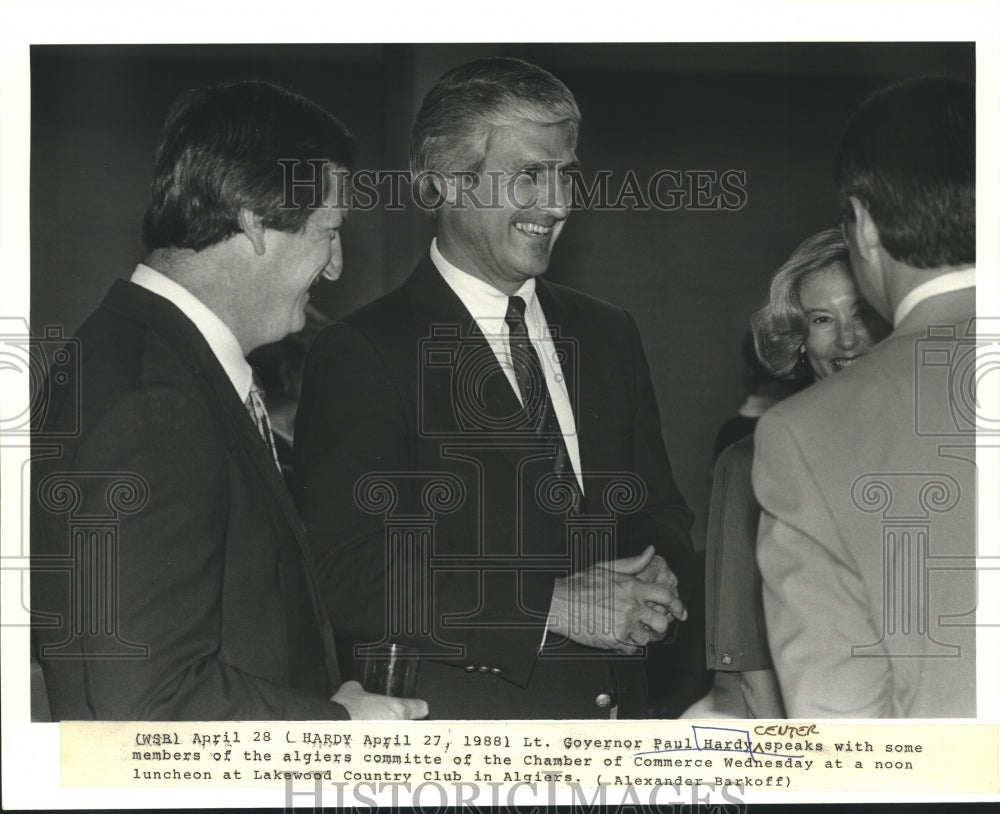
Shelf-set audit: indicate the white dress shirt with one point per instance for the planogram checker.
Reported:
(942, 284)
(488, 306)
(220, 339)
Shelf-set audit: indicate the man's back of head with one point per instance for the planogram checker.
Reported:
(248, 195)
(238, 145)
(908, 155)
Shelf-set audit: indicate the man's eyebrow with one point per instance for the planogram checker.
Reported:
(527, 163)
(521, 162)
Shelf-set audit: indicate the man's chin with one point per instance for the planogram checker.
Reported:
(534, 266)
(297, 321)
(539, 270)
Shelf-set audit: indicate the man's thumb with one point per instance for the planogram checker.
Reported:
(631, 565)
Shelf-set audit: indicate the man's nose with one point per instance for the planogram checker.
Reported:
(556, 196)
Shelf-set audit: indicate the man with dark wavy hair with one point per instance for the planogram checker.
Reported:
(207, 605)
(867, 480)
(565, 549)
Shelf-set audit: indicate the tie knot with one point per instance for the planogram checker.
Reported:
(515, 311)
(256, 399)
(256, 388)
(257, 408)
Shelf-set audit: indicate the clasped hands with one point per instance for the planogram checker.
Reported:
(619, 605)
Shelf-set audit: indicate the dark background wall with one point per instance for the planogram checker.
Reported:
(690, 278)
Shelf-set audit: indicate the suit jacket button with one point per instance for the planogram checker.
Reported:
(727, 659)
(495, 671)
(484, 669)
(603, 700)
(471, 668)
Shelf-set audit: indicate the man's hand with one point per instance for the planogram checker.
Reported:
(617, 605)
(659, 572)
(366, 706)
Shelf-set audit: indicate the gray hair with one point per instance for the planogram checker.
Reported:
(454, 125)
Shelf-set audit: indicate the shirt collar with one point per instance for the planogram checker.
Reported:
(486, 303)
(755, 406)
(217, 334)
(942, 284)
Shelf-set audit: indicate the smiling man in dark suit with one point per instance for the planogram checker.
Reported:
(531, 536)
(201, 602)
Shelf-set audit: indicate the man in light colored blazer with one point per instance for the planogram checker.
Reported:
(867, 480)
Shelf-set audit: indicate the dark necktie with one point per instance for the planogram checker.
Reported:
(539, 413)
(258, 412)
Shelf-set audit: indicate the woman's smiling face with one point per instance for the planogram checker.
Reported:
(842, 325)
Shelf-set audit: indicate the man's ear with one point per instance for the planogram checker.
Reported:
(446, 187)
(866, 236)
(252, 225)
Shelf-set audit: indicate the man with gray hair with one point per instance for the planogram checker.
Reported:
(481, 467)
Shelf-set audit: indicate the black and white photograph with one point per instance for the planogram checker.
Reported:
(602, 384)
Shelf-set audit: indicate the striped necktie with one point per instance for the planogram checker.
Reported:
(535, 398)
(258, 412)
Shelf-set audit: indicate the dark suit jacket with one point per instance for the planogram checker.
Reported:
(409, 386)
(170, 575)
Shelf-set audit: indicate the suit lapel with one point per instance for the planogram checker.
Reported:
(567, 340)
(195, 357)
(435, 305)
(569, 336)
(481, 401)
(195, 360)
